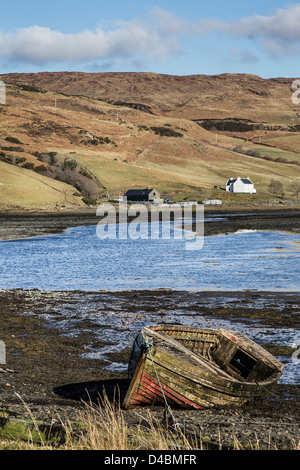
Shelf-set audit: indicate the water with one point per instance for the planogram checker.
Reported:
(78, 259)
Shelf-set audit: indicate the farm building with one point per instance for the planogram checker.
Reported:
(240, 185)
(212, 202)
(143, 195)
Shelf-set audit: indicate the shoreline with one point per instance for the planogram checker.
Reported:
(20, 225)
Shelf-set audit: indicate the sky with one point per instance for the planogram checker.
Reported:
(178, 37)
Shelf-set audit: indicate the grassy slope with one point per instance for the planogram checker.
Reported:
(287, 142)
(26, 189)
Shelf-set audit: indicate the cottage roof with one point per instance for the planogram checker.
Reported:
(138, 192)
(244, 180)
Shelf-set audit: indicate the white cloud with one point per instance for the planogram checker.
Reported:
(282, 26)
(40, 45)
(169, 23)
(277, 34)
(157, 36)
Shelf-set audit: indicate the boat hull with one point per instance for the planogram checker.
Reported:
(165, 371)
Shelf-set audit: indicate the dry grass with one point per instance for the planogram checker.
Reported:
(101, 427)
(24, 188)
(104, 427)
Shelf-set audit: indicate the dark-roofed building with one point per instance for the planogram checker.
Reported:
(143, 195)
(240, 185)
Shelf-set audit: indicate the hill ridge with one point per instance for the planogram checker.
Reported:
(191, 96)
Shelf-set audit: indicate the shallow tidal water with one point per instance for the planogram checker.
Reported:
(77, 260)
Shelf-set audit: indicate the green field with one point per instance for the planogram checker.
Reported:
(27, 189)
(275, 152)
(289, 142)
(186, 180)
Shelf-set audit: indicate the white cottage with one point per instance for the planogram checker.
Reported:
(240, 185)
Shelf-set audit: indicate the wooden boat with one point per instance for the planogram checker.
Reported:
(198, 368)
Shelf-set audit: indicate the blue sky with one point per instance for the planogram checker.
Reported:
(171, 37)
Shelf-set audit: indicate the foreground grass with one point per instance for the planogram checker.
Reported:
(103, 427)
(100, 427)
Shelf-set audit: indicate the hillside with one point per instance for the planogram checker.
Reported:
(101, 134)
(24, 188)
(194, 97)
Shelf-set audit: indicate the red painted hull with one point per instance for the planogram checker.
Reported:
(149, 392)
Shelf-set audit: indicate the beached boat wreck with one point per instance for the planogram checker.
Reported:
(198, 368)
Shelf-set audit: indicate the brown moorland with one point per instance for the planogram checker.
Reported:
(191, 97)
(180, 134)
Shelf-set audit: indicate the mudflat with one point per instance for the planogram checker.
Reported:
(24, 225)
(48, 373)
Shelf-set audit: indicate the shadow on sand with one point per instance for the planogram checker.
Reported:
(95, 391)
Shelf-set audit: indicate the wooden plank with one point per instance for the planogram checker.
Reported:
(169, 393)
(178, 375)
(253, 348)
(134, 381)
(214, 375)
(187, 378)
(155, 388)
(203, 362)
(202, 378)
(195, 392)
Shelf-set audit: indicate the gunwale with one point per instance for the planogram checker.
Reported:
(198, 381)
